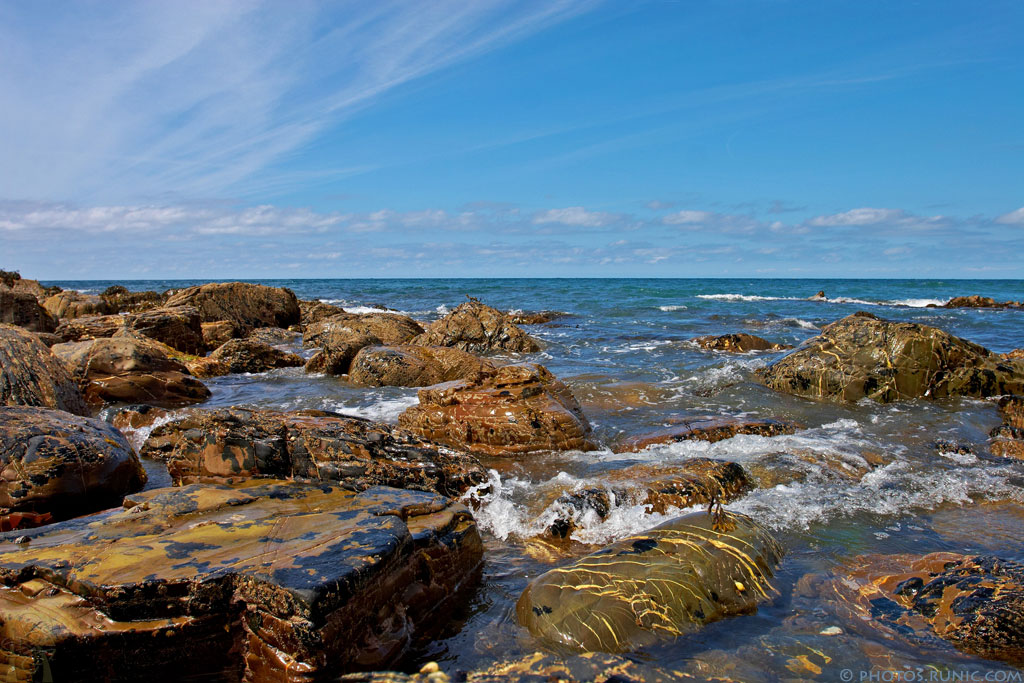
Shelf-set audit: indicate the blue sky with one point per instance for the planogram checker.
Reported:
(753, 138)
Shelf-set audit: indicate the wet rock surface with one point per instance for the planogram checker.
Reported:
(61, 465)
(408, 365)
(864, 356)
(337, 354)
(178, 327)
(668, 581)
(738, 343)
(276, 581)
(705, 428)
(30, 375)
(477, 328)
(511, 410)
(385, 328)
(251, 355)
(233, 443)
(121, 300)
(23, 310)
(1007, 440)
(976, 301)
(534, 317)
(247, 305)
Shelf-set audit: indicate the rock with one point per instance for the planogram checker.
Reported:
(698, 481)
(975, 301)
(217, 333)
(248, 306)
(16, 283)
(738, 343)
(48, 338)
(1016, 354)
(1008, 438)
(279, 581)
(176, 326)
(336, 356)
(534, 317)
(477, 328)
(130, 370)
(865, 356)
(312, 444)
(315, 311)
(275, 336)
(121, 300)
(70, 304)
(668, 581)
(413, 366)
(511, 410)
(62, 465)
(820, 296)
(247, 355)
(974, 602)
(705, 428)
(386, 328)
(22, 309)
(30, 375)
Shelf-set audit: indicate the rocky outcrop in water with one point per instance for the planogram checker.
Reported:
(55, 465)
(408, 365)
(272, 581)
(976, 301)
(974, 602)
(248, 306)
(70, 304)
(121, 300)
(705, 428)
(738, 343)
(670, 580)
(477, 328)
(534, 317)
(249, 355)
(387, 328)
(235, 443)
(337, 354)
(864, 356)
(511, 410)
(315, 311)
(30, 375)
(22, 309)
(129, 369)
(177, 326)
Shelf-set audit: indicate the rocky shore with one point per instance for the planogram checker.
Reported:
(307, 545)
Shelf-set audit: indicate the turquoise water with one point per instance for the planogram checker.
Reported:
(623, 350)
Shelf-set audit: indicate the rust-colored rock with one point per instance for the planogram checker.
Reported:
(278, 581)
(249, 355)
(275, 336)
(408, 365)
(738, 343)
(30, 375)
(176, 326)
(864, 356)
(534, 317)
(1016, 354)
(976, 301)
(131, 370)
(62, 465)
(121, 300)
(337, 354)
(511, 410)
(239, 443)
(705, 428)
(315, 311)
(220, 332)
(386, 328)
(247, 305)
(70, 304)
(15, 282)
(477, 328)
(22, 309)
(1008, 438)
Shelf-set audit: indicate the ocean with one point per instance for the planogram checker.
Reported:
(623, 349)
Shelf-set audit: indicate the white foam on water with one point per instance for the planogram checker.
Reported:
(137, 437)
(804, 324)
(729, 373)
(362, 310)
(746, 297)
(918, 303)
(674, 307)
(442, 310)
(384, 410)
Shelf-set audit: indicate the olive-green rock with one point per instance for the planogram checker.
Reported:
(864, 356)
(665, 582)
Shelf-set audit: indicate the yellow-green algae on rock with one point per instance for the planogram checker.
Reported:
(667, 581)
(278, 581)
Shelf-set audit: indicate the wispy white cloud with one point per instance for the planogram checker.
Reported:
(865, 216)
(687, 217)
(575, 216)
(1012, 218)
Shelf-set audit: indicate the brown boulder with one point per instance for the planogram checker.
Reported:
(70, 304)
(16, 283)
(217, 333)
(275, 336)
(121, 300)
(177, 327)
(507, 411)
(278, 581)
(477, 328)
(62, 465)
(130, 370)
(336, 356)
(534, 317)
(413, 366)
(1008, 438)
(231, 443)
(22, 309)
(738, 343)
(247, 355)
(1016, 354)
(386, 328)
(975, 301)
(705, 428)
(315, 311)
(864, 356)
(247, 305)
(30, 375)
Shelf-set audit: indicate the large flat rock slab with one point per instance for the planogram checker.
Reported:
(278, 581)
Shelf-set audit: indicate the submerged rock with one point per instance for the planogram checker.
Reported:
(534, 317)
(249, 355)
(477, 328)
(30, 375)
(231, 443)
(705, 428)
(278, 581)
(22, 309)
(247, 305)
(738, 343)
(62, 465)
(510, 410)
(670, 580)
(864, 356)
(408, 365)
(178, 327)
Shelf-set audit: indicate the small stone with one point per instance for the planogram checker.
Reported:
(429, 668)
(831, 631)
(22, 539)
